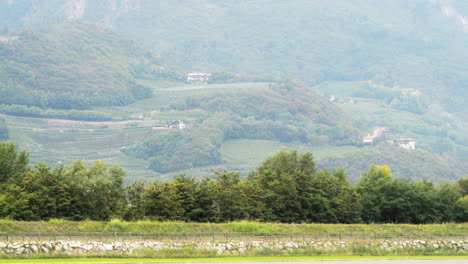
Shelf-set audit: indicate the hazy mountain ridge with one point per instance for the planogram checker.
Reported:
(412, 43)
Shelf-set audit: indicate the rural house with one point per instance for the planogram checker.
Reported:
(198, 77)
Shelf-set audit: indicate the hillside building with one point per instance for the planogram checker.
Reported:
(407, 143)
(385, 133)
(179, 124)
(381, 132)
(368, 139)
(198, 77)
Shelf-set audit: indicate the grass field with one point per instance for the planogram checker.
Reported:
(225, 259)
(190, 252)
(165, 96)
(249, 153)
(243, 226)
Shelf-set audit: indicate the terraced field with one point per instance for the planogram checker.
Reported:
(63, 141)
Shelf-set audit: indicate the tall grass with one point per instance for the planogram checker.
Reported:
(240, 226)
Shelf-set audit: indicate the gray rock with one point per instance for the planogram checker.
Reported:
(45, 249)
(20, 251)
(108, 247)
(34, 248)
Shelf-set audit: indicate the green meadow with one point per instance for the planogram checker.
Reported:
(242, 226)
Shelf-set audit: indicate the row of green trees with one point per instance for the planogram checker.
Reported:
(285, 188)
(32, 111)
(72, 192)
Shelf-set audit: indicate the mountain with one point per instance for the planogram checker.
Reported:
(396, 63)
(418, 44)
(80, 71)
(76, 66)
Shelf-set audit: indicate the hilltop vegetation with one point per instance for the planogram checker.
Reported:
(286, 112)
(76, 66)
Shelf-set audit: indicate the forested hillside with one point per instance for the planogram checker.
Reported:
(286, 111)
(75, 66)
(417, 44)
(410, 165)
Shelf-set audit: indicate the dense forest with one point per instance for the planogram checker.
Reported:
(76, 66)
(284, 188)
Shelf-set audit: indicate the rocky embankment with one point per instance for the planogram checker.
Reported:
(71, 247)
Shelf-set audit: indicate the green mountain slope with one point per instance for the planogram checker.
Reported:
(75, 66)
(285, 112)
(403, 63)
(419, 44)
(407, 111)
(405, 164)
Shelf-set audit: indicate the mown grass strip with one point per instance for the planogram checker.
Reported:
(224, 259)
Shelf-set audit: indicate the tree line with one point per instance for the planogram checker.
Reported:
(284, 188)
